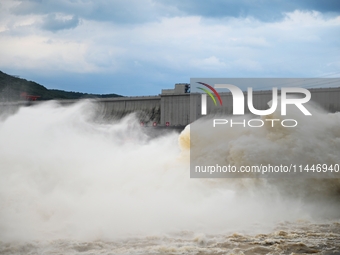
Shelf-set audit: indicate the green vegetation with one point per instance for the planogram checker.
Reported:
(13, 89)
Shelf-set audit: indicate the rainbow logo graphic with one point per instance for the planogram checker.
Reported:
(209, 93)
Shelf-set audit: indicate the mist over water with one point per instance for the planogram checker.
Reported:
(315, 140)
(67, 175)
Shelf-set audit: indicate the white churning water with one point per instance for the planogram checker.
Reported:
(74, 184)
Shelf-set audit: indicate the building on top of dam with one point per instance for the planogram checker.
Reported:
(180, 88)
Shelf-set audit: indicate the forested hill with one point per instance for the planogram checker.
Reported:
(13, 88)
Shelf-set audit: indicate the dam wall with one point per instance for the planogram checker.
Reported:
(175, 110)
(177, 107)
(182, 109)
(147, 109)
(326, 98)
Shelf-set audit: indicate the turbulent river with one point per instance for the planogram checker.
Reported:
(73, 184)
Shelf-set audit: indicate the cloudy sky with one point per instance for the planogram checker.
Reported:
(138, 47)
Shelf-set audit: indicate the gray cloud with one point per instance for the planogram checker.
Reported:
(265, 10)
(117, 11)
(196, 39)
(54, 23)
(139, 11)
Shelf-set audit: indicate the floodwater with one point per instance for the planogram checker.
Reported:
(71, 184)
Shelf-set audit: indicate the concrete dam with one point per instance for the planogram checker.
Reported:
(178, 107)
